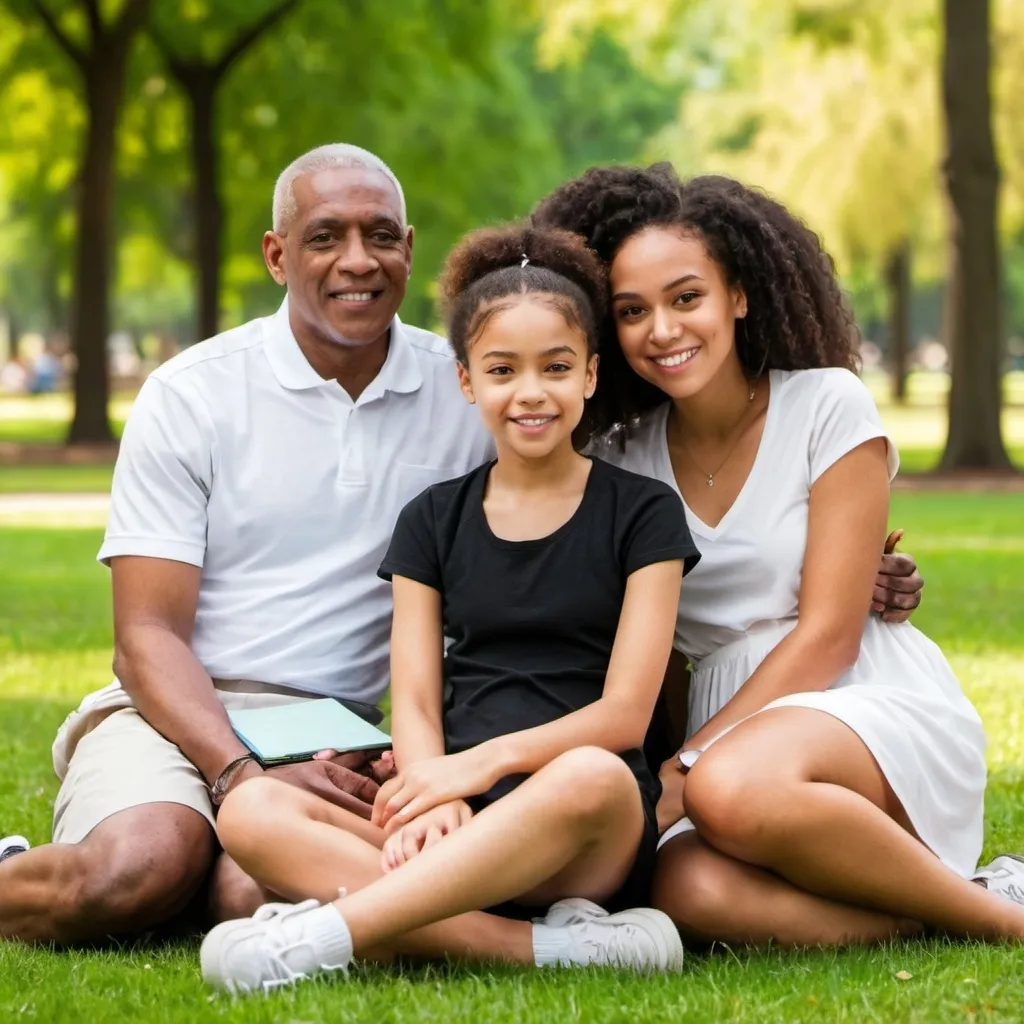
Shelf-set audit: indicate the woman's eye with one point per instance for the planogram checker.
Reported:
(500, 371)
(687, 297)
(627, 312)
(559, 367)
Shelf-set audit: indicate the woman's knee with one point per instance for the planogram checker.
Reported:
(591, 781)
(724, 799)
(692, 885)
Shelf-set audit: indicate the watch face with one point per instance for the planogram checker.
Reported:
(688, 758)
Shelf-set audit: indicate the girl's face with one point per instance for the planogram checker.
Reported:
(530, 373)
(674, 311)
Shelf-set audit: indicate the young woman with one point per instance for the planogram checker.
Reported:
(831, 785)
(555, 579)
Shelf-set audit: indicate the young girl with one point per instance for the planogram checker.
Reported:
(555, 579)
(833, 775)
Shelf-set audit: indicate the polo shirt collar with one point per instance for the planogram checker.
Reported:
(400, 373)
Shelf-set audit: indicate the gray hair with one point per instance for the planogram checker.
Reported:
(326, 158)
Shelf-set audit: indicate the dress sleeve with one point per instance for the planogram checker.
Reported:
(413, 552)
(845, 416)
(656, 530)
(162, 481)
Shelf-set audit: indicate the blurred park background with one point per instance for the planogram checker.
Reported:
(140, 139)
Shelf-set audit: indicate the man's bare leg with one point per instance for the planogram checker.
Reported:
(135, 870)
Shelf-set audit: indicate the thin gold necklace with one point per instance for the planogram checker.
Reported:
(710, 477)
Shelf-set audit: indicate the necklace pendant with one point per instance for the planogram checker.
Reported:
(711, 480)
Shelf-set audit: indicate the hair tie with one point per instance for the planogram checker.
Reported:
(526, 259)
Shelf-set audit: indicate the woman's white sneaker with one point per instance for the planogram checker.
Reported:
(1005, 876)
(579, 933)
(279, 945)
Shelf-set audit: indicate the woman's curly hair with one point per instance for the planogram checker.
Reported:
(492, 265)
(797, 316)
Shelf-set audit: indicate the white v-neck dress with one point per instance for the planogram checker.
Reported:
(901, 696)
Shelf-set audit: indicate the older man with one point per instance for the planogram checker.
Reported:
(258, 481)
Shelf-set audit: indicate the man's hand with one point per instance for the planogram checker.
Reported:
(338, 785)
(671, 806)
(380, 768)
(423, 832)
(428, 783)
(898, 586)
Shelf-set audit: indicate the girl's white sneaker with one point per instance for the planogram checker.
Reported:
(279, 945)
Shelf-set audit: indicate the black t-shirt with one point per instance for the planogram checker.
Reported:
(532, 622)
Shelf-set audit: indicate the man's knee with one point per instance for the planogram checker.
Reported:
(135, 872)
(592, 781)
(233, 893)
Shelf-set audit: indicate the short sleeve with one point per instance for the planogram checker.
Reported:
(162, 481)
(413, 552)
(656, 530)
(845, 416)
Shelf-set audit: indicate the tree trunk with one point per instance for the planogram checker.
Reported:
(208, 212)
(973, 326)
(90, 308)
(897, 279)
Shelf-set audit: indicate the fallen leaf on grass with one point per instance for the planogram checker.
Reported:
(903, 975)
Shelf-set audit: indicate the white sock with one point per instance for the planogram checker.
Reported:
(553, 947)
(328, 935)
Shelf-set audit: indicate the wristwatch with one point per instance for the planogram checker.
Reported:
(687, 759)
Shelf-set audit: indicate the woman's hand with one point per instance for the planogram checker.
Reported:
(671, 806)
(429, 783)
(423, 832)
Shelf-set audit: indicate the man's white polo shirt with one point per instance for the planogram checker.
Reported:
(239, 458)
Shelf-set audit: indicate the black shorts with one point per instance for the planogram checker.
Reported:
(635, 890)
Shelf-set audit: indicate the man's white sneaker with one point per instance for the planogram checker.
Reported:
(643, 940)
(280, 944)
(12, 845)
(1005, 876)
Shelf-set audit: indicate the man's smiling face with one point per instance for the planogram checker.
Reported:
(345, 256)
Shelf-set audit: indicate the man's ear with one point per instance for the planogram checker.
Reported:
(409, 234)
(464, 383)
(273, 256)
(591, 382)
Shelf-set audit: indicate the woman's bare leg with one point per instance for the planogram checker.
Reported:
(796, 791)
(292, 843)
(715, 898)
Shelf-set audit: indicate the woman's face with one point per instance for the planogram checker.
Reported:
(674, 311)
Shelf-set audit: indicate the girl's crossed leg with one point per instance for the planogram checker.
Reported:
(800, 839)
(571, 829)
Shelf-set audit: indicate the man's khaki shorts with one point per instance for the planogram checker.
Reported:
(109, 758)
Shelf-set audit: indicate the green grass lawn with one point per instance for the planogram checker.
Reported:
(55, 645)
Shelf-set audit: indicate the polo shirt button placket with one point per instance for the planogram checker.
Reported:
(351, 467)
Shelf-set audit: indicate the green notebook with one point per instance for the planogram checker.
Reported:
(295, 732)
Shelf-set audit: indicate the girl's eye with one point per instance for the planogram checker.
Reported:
(500, 371)
(687, 297)
(626, 312)
(559, 367)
